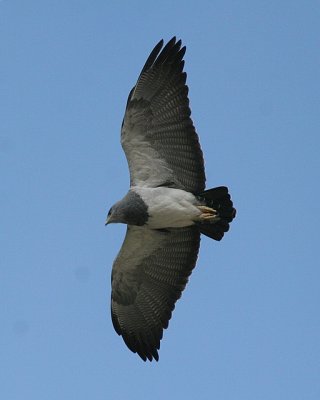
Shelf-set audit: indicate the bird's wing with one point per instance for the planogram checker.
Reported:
(148, 277)
(157, 135)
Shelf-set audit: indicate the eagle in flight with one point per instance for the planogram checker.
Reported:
(167, 206)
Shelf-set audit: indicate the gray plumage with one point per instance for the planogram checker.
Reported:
(158, 136)
(131, 210)
(166, 207)
(148, 277)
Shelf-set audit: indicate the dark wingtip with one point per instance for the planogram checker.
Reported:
(171, 52)
(153, 55)
(144, 355)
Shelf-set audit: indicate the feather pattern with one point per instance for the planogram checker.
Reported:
(148, 277)
(158, 136)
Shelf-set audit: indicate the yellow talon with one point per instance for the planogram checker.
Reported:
(208, 214)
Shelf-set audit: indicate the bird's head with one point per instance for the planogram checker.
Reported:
(130, 210)
(115, 214)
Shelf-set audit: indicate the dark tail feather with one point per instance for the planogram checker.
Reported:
(218, 199)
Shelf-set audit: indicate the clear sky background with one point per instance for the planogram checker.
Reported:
(248, 324)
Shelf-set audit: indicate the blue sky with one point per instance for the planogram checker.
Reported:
(248, 324)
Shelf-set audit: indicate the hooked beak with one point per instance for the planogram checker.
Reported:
(107, 221)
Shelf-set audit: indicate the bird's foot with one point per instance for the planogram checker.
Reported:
(208, 214)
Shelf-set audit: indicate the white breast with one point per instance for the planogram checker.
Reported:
(169, 208)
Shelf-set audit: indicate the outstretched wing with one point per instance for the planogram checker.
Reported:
(158, 136)
(148, 277)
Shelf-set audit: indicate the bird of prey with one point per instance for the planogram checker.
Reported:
(167, 206)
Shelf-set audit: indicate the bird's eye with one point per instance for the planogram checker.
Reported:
(110, 211)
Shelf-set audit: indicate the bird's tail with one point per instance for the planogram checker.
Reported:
(219, 200)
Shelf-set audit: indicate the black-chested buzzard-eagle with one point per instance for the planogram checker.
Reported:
(167, 206)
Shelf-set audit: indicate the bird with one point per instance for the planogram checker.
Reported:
(167, 207)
